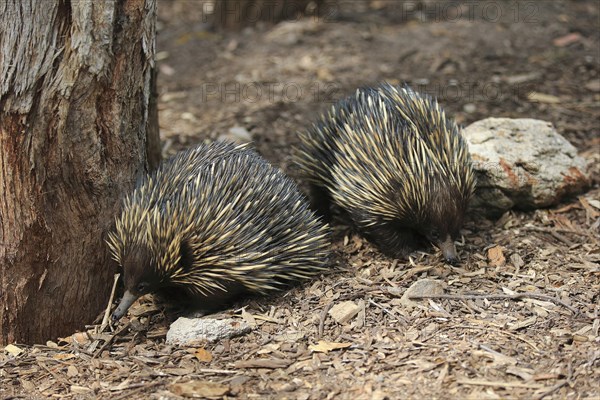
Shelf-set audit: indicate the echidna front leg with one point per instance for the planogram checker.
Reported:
(320, 201)
(391, 240)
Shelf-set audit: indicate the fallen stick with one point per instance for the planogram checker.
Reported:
(517, 296)
(109, 305)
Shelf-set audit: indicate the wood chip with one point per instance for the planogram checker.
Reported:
(480, 382)
(13, 350)
(566, 40)
(203, 355)
(536, 97)
(496, 256)
(72, 371)
(516, 260)
(76, 389)
(344, 311)
(199, 389)
(522, 324)
(272, 363)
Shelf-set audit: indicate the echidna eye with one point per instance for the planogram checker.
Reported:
(142, 287)
(433, 236)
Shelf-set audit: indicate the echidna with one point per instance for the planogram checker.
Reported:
(214, 222)
(390, 157)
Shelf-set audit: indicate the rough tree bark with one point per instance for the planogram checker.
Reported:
(237, 14)
(76, 128)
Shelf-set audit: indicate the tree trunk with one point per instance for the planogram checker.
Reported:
(237, 14)
(75, 127)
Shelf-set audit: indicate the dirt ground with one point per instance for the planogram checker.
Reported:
(484, 59)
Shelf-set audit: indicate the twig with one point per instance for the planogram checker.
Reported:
(322, 319)
(109, 305)
(551, 390)
(351, 296)
(517, 296)
(135, 386)
(550, 230)
(217, 371)
(60, 379)
(490, 328)
(109, 341)
(481, 382)
(387, 311)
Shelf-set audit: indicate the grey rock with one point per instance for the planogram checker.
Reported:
(523, 164)
(422, 287)
(190, 331)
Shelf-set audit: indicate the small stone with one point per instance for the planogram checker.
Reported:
(470, 108)
(161, 55)
(190, 331)
(593, 85)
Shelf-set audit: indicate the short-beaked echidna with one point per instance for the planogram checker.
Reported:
(392, 159)
(214, 222)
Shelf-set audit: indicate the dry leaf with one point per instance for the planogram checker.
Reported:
(325, 347)
(143, 309)
(587, 204)
(203, 355)
(595, 203)
(249, 318)
(496, 256)
(27, 385)
(80, 338)
(199, 389)
(79, 389)
(523, 373)
(266, 319)
(63, 356)
(13, 350)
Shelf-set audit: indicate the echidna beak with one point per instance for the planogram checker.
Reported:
(449, 251)
(126, 302)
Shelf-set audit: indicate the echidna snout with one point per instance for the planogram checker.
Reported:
(126, 302)
(449, 250)
(139, 279)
